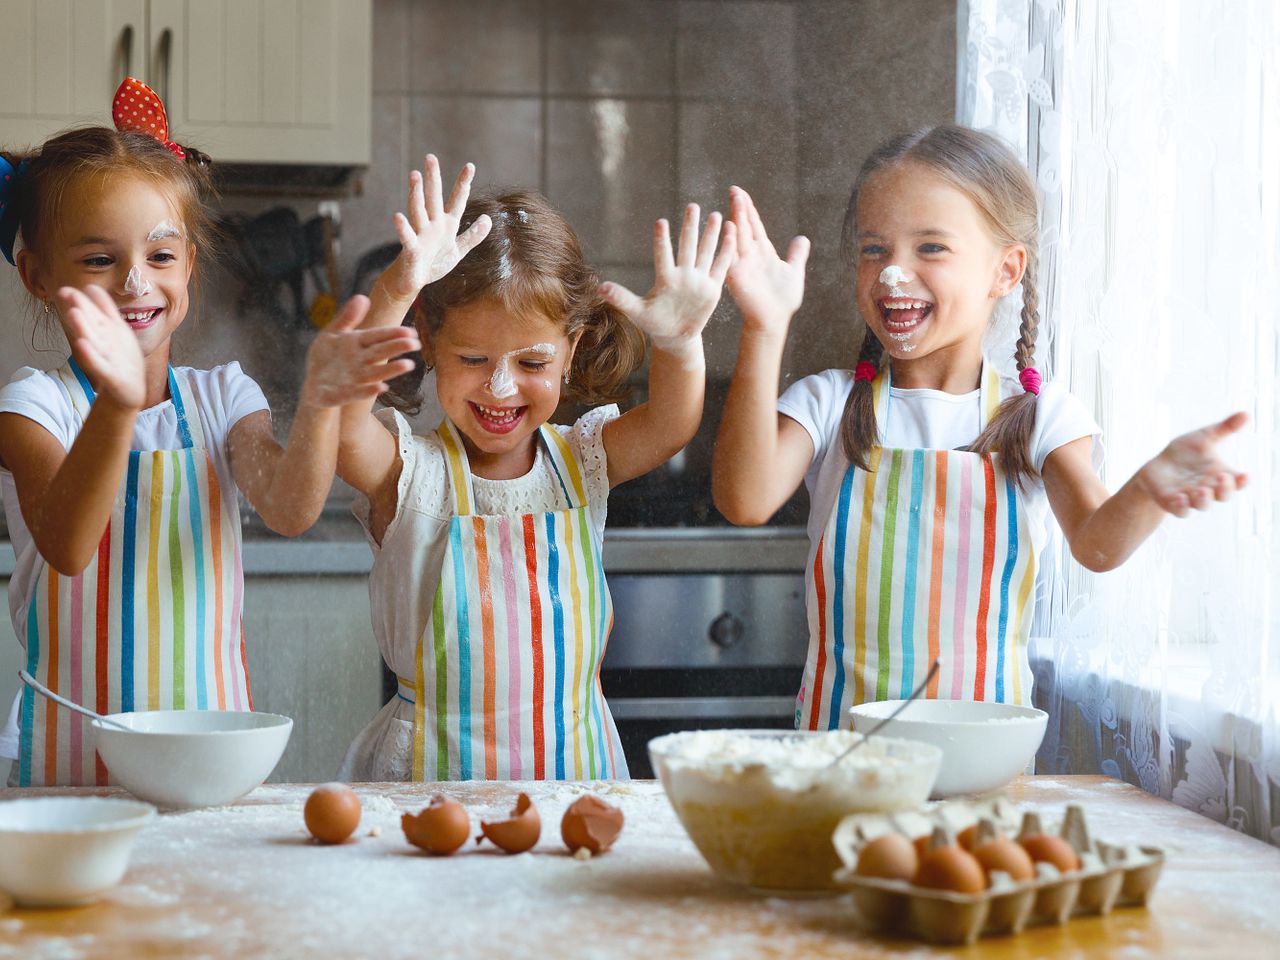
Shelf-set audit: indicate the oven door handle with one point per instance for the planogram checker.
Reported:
(667, 708)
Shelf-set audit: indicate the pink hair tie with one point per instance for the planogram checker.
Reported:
(865, 370)
(1029, 377)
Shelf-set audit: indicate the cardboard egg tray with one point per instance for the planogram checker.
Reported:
(1110, 876)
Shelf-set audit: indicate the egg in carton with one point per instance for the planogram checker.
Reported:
(1099, 875)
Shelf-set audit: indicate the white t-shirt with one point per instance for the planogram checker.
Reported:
(406, 565)
(223, 396)
(932, 420)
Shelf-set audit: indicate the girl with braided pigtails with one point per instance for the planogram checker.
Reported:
(932, 478)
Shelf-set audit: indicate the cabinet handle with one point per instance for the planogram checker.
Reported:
(166, 59)
(126, 52)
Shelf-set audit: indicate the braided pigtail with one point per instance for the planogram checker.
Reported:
(858, 429)
(1009, 432)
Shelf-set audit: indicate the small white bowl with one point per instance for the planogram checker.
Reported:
(65, 851)
(984, 745)
(192, 758)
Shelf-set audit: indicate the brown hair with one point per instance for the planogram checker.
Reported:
(983, 168)
(38, 195)
(531, 262)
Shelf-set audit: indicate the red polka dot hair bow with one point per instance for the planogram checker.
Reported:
(138, 109)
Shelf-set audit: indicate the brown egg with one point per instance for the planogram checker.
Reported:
(1046, 848)
(590, 823)
(892, 857)
(1004, 854)
(967, 836)
(921, 844)
(441, 828)
(332, 812)
(518, 833)
(951, 868)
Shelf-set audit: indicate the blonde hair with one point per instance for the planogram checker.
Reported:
(531, 263)
(985, 170)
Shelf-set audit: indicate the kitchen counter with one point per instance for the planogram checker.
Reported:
(336, 547)
(244, 881)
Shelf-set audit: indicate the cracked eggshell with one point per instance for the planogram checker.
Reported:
(519, 832)
(441, 828)
(590, 824)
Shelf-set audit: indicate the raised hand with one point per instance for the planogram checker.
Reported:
(686, 285)
(345, 364)
(1188, 472)
(104, 346)
(767, 289)
(430, 245)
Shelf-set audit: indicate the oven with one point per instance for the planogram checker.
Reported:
(709, 631)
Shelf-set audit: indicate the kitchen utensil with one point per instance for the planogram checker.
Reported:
(761, 805)
(64, 851)
(915, 694)
(984, 744)
(191, 758)
(40, 688)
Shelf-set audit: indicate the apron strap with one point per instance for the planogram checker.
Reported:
(76, 382)
(563, 464)
(988, 396)
(460, 489)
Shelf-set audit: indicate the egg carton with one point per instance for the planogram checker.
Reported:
(1111, 875)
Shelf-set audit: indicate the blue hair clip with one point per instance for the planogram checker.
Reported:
(8, 220)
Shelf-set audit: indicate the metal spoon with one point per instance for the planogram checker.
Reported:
(915, 694)
(36, 685)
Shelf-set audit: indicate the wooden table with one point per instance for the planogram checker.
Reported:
(245, 881)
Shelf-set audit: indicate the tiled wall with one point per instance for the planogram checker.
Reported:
(620, 111)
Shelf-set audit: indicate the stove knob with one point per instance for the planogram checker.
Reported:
(725, 630)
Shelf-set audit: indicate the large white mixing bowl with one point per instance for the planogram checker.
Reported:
(192, 758)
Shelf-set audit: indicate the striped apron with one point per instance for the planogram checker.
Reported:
(926, 555)
(508, 670)
(153, 622)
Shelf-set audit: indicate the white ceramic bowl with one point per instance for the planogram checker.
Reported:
(192, 758)
(65, 851)
(761, 805)
(984, 745)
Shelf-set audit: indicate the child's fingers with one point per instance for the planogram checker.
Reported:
(663, 262)
(1177, 504)
(1230, 425)
(380, 353)
(404, 336)
(740, 203)
(798, 254)
(352, 314)
(707, 245)
(728, 253)
(688, 250)
(103, 301)
(434, 189)
(461, 190)
(471, 237)
(757, 225)
(405, 233)
(622, 298)
(417, 216)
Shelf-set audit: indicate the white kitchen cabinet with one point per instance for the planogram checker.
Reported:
(246, 81)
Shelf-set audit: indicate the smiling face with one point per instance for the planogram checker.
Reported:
(929, 270)
(498, 379)
(123, 234)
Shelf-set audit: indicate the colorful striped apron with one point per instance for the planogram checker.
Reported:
(926, 555)
(153, 622)
(508, 671)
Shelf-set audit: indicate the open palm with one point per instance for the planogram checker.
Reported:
(102, 343)
(430, 245)
(767, 289)
(1188, 474)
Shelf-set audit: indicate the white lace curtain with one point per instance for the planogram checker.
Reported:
(1153, 130)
